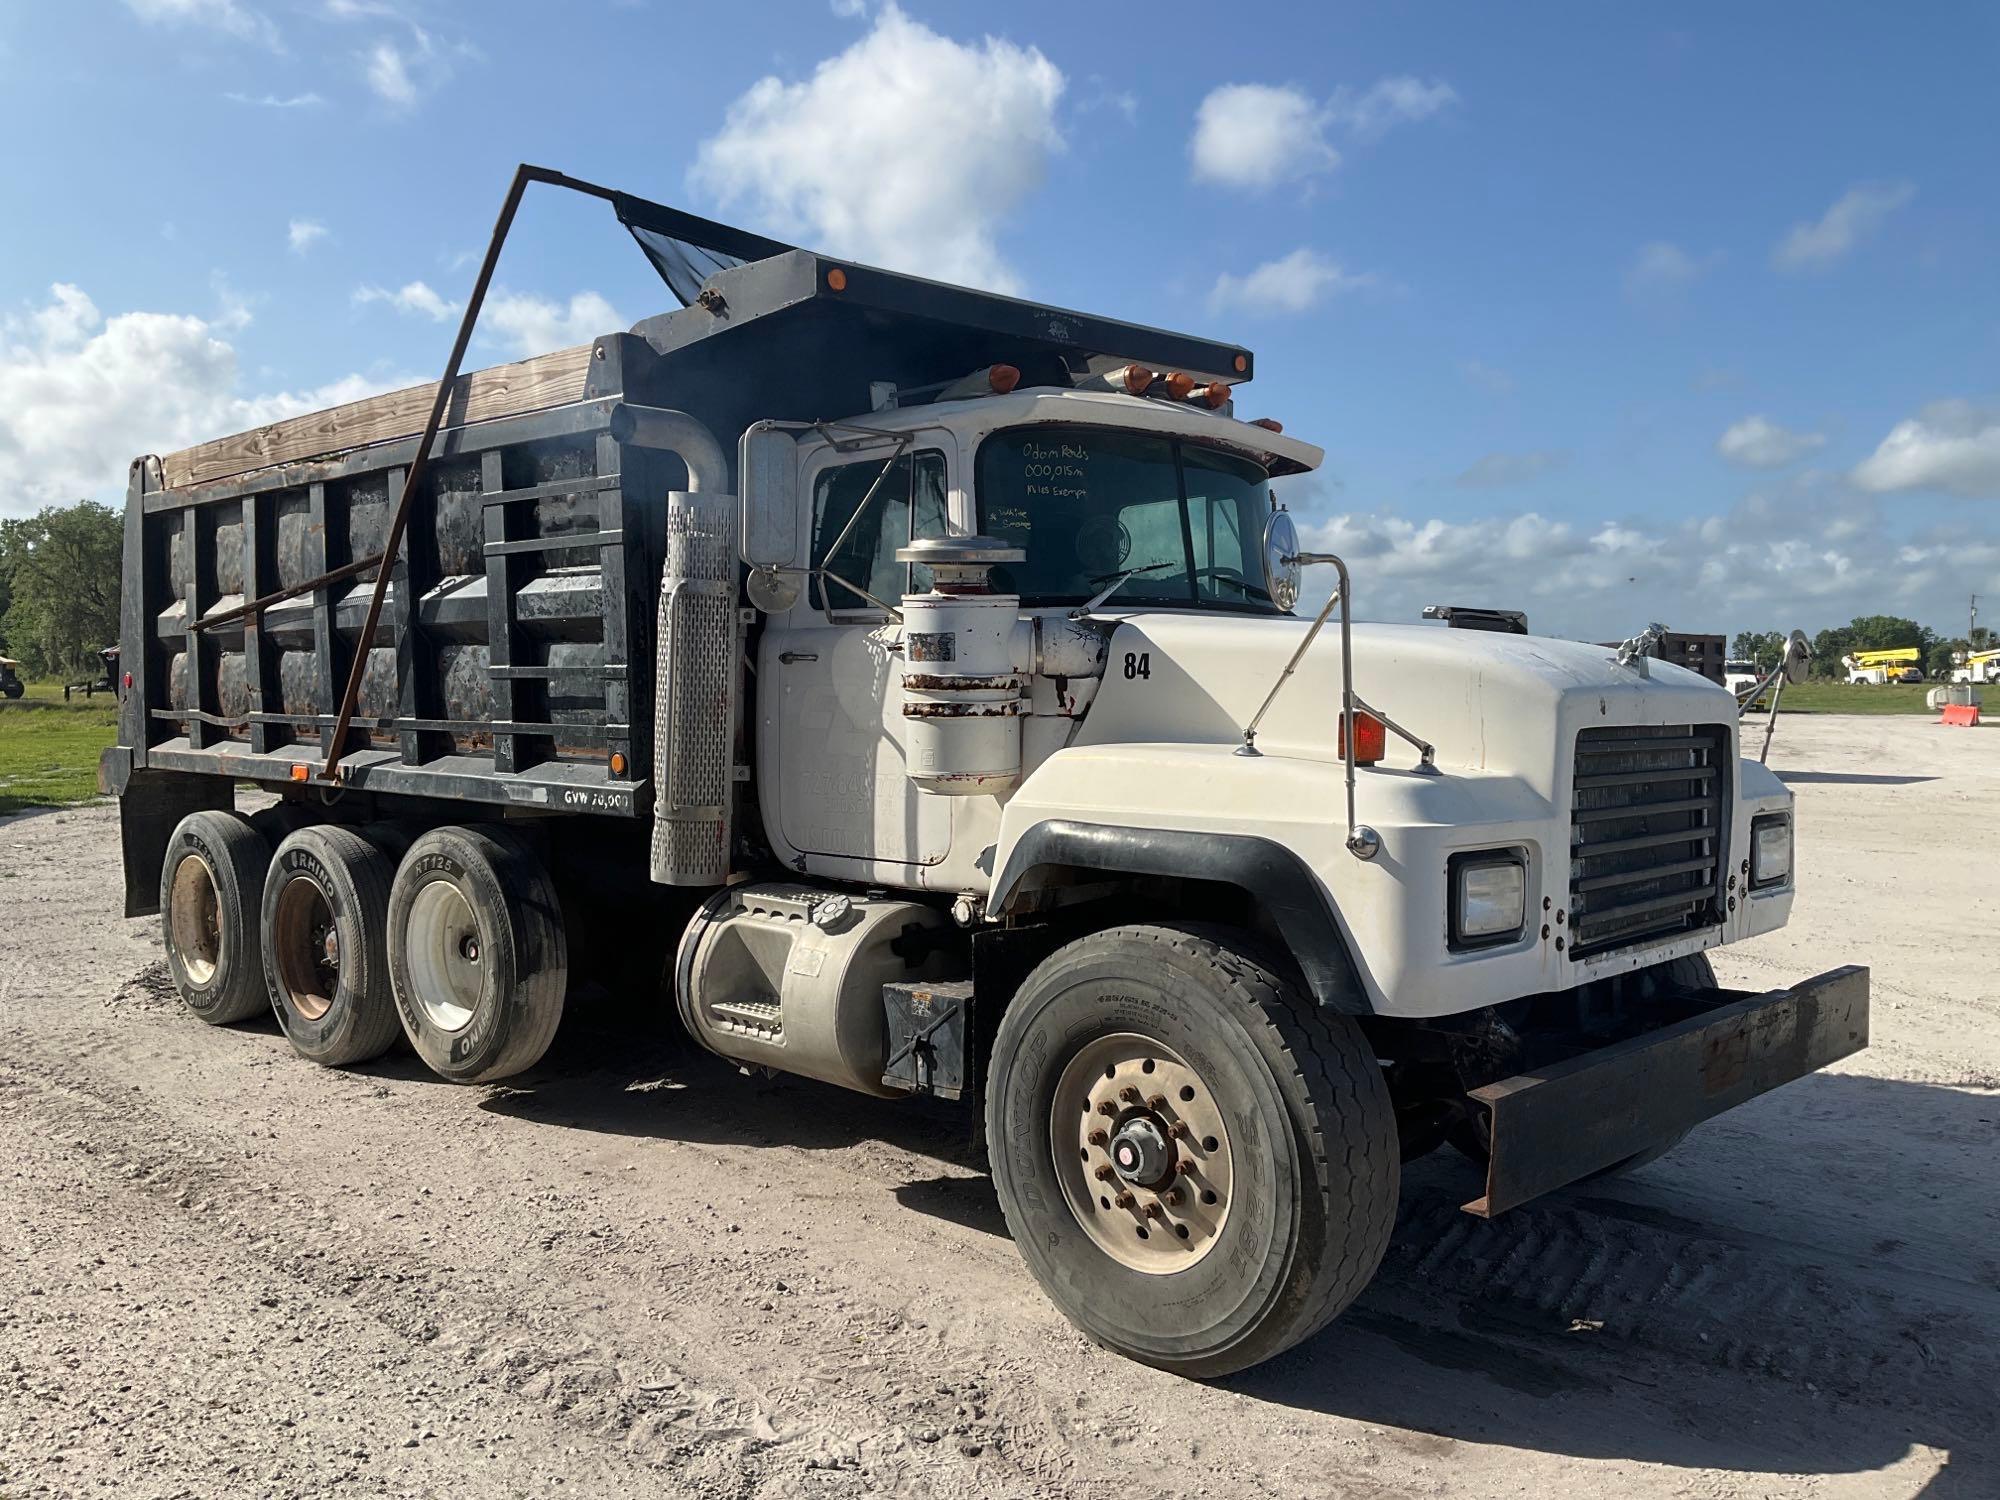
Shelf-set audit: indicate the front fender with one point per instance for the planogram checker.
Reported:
(1266, 824)
(1280, 881)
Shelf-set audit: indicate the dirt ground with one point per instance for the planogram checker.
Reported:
(224, 1271)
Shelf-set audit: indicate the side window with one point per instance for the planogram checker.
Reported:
(909, 503)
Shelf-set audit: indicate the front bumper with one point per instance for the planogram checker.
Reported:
(1562, 1123)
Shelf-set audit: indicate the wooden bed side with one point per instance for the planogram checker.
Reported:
(547, 380)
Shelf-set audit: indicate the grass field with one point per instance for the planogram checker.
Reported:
(1839, 698)
(49, 748)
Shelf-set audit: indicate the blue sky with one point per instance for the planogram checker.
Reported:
(1614, 314)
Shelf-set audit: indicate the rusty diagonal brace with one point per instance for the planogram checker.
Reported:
(413, 476)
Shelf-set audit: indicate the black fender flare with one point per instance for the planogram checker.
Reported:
(1275, 877)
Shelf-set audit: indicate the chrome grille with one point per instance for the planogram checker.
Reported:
(1647, 833)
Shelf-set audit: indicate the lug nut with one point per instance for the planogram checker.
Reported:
(1107, 1108)
(1104, 1173)
(1124, 1200)
(1129, 1094)
(1173, 1196)
(1098, 1138)
(1158, 1104)
(1153, 1211)
(1185, 1166)
(1178, 1130)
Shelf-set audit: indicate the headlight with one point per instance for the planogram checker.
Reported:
(1770, 850)
(1489, 897)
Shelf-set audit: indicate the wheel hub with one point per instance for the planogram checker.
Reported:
(1141, 1152)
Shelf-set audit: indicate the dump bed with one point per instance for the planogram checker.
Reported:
(513, 631)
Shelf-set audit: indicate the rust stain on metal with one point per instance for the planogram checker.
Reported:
(928, 682)
(1011, 709)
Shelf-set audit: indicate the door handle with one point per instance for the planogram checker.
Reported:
(789, 657)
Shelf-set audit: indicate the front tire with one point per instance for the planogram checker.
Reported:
(1146, 1062)
(477, 953)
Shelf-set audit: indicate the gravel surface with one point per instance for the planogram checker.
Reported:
(225, 1271)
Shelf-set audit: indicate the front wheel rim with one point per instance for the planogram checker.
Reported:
(446, 952)
(1141, 1153)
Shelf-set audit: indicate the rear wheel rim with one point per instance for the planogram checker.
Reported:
(1141, 1153)
(446, 953)
(194, 912)
(307, 946)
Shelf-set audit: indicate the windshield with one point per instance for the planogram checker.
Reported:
(1089, 503)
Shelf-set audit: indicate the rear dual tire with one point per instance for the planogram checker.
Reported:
(478, 958)
(325, 913)
(211, 881)
(455, 939)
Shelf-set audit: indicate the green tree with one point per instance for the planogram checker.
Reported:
(1938, 664)
(1764, 647)
(62, 568)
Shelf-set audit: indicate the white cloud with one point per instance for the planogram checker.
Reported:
(229, 17)
(1371, 113)
(1663, 266)
(848, 10)
(1256, 135)
(1603, 578)
(276, 101)
(1291, 284)
(415, 297)
(1950, 445)
(1757, 442)
(304, 234)
(1857, 214)
(81, 395)
(1497, 469)
(908, 149)
(388, 74)
(533, 325)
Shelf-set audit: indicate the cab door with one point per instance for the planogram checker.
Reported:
(835, 795)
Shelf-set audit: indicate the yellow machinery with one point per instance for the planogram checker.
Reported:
(1904, 664)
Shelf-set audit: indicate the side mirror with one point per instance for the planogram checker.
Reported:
(1281, 559)
(768, 477)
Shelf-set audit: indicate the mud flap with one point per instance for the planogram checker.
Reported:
(1552, 1127)
(151, 805)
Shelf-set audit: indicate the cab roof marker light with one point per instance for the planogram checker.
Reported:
(1269, 424)
(1180, 386)
(1135, 378)
(1214, 396)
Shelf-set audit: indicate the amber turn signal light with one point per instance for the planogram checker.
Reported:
(1371, 739)
(1003, 378)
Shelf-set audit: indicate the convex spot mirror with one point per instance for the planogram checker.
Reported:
(1281, 559)
(1798, 654)
(769, 522)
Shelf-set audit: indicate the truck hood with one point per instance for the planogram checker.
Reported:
(1488, 702)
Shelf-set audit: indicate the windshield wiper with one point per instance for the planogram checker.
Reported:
(1117, 582)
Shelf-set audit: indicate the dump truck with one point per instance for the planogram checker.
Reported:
(908, 688)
